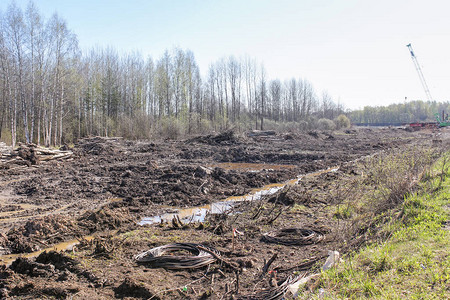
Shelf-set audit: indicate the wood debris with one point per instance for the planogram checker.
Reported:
(29, 154)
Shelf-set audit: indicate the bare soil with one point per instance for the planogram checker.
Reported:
(110, 184)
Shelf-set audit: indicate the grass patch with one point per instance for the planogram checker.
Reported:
(414, 261)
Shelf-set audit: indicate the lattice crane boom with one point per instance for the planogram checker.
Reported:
(419, 71)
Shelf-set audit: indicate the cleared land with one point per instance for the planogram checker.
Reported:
(101, 193)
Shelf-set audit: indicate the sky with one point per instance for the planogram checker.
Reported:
(353, 50)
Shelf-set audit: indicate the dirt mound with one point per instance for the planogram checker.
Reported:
(201, 152)
(29, 187)
(323, 135)
(7, 279)
(33, 269)
(59, 260)
(5, 273)
(283, 197)
(55, 269)
(42, 232)
(39, 232)
(146, 147)
(98, 146)
(105, 218)
(48, 225)
(18, 243)
(224, 138)
(131, 288)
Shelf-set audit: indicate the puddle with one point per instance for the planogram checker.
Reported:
(251, 167)
(198, 213)
(194, 214)
(111, 200)
(8, 259)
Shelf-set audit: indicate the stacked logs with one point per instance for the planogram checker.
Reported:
(30, 154)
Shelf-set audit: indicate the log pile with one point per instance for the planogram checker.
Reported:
(29, 154)
(4, 148)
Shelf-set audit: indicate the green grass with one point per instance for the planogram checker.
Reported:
(414, 262)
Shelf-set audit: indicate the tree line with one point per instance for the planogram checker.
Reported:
(52, 93)
(407, 112)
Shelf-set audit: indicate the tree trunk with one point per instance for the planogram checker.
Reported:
(61, 113)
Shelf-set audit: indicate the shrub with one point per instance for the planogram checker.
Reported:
(342, 122)
(326, 124)
(171, 128)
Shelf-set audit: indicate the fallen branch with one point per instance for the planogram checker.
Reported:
(267, 265)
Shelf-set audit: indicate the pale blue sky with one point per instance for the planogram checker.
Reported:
(355, 50)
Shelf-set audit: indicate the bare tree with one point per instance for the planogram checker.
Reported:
(221, 89)
(192, 84)
(15, 37)
(163, 87)
(327, 106)
(211, 92)
(275, 93)
(250, 75)
(150, 75)
(234, 78)
(48, 89)
(262, 94)
(7, 76)
(64, 45)
(178, 79)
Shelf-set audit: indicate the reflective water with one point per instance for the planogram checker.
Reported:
(193, 214)
(8, 259)
(251, 166)
(198, 214)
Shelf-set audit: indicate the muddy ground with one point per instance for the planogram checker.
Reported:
(109, 185)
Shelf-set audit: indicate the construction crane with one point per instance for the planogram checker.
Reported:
(419, 71)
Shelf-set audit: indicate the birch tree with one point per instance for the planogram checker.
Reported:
(15, 41)
(262, 95)
(234, 78)
(64, 45)
(275, 93)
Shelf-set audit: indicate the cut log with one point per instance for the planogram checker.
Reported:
(31, 154)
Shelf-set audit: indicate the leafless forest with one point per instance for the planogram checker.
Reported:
(53, 93)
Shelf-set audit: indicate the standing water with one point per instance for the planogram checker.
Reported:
(198, 213)
(195, 214)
